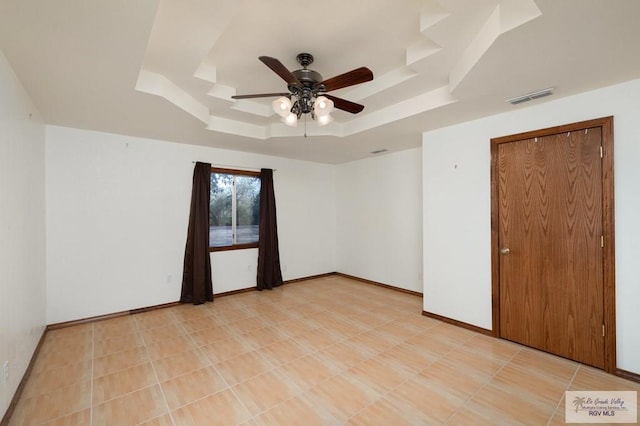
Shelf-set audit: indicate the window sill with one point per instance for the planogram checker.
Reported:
(234, 247)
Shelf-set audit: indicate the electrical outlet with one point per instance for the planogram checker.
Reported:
(5, 372)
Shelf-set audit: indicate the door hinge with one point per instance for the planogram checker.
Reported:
(602, 330)
(601, 152)
(601, 240)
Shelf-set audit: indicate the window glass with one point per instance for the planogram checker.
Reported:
(234, 209)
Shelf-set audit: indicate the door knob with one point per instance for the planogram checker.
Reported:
(505, 250)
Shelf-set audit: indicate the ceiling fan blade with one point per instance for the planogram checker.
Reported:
(357, 76)
(345, 105)
(277, 67)
(260, 95)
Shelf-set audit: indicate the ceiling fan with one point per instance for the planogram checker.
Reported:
(308, 91)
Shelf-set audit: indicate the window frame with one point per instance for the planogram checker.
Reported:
(235, 172)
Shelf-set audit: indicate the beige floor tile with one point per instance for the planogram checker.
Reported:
(529, 383)
(76, 331)
(185, 389)
(344, 330)
(324, 351)
(476, 363)
(544, 363)
(154, 319)
(343, 355)
(264, 336)
(341, 396)
(247, 325)
(493, 404)
(56, 359)
(420, 320)
(400, 330)
(116, 344)
(211, 335)
(79, 418)
(588, 378)
(263, 392)
(491, 346)
(108, 329)
(373, 341)
(433, 344)
(188, 312)
(409, 357)
(278, 316)
(226, 349)
(316, 340)
(368, 320)
(381, 412)
(221, 408)
(449, 378)
(119, 361)
(179, 364)
(467, 417)
(283, 352)
(131, 409)
(299, 326)
(308, 371)
(243, 367)
(164, 420)
(452, 332)
(208, 321)
(421, 403)
(295, 411)
(122, 382)
(233, 313)
(167, 331)
(65, 339)
(50, 406)
(47, 381)
(378, 374)
(167, 347)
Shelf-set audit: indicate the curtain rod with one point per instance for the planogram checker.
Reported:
(227, 166)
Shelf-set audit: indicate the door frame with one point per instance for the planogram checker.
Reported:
(606, 123)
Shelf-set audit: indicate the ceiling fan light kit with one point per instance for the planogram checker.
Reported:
(308, 91)
(282, 106)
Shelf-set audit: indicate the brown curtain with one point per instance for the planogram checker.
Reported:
(196, 275)
(269, 274)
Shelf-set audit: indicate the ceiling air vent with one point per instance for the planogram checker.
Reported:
(531, 96)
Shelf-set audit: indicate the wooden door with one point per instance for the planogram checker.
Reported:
(550, 243)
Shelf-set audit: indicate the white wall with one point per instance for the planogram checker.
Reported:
(379, 210)
(117, 214)
(456, 196)
(22, 230)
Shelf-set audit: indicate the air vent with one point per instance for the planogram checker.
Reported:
(379, 151)
(531, 96)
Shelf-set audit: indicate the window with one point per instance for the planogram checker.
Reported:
(234, 209)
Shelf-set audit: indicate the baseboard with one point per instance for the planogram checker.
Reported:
(634, 377)
(232, 292)
(96, 318)
(23, 382)
(458, 323)
(310, 277)
(387, 286)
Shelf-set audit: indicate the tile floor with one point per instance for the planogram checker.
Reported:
(326, 351)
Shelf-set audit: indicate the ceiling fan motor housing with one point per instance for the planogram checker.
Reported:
(308, 78)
